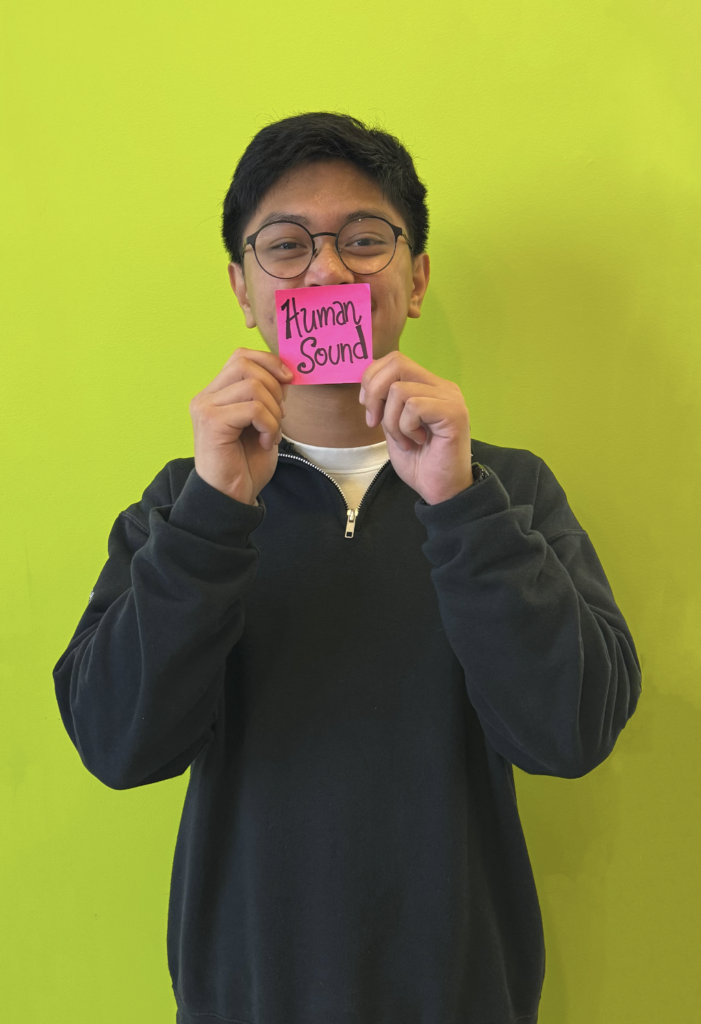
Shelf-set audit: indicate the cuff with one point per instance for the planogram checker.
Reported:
(485, 498)
(208, 513)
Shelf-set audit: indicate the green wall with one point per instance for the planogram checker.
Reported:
(560, 145)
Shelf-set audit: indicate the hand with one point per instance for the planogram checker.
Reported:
(236, 423)
(426, 423)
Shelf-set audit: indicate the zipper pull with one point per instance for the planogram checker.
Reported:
(350, 525)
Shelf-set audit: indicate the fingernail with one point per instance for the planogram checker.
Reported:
(361, 396)
(283, 409)
(368, 417)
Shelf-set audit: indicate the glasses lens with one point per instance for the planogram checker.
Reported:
(284, 249)
(366, 245)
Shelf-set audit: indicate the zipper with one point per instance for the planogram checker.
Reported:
(351, 513)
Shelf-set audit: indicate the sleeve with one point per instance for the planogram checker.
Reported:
(550, 665)
(140, 681)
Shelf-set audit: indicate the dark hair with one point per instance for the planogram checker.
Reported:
(312, 137)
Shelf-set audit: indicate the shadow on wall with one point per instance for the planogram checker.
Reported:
(590, 360)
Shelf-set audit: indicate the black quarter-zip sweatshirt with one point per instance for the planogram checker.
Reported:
(350, 708)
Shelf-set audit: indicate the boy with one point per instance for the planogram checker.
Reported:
(349, 619)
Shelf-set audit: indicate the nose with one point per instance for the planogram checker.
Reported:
(327, 266)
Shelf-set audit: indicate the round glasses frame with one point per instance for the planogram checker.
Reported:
(251, 240)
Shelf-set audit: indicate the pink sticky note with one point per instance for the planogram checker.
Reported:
(325, 333)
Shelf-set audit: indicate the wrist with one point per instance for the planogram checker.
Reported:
(478, 472)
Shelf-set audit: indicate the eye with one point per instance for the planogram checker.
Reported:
(367, 240)
(281, 240)
(368, 236)
(364, 241)
(285, 246)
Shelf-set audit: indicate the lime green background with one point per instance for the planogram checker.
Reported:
(560, 145)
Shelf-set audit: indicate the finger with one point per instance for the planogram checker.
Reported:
(261, 380)
(246, 363)
(270, 360)
(251, 363)
(412, 421)
(380, 378)
(250, 389)
(246, 414)
(399, 367)
(420, 416)
(402, 421)
(436, 415)
(398, 393)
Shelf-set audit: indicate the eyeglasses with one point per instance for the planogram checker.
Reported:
(285, 249)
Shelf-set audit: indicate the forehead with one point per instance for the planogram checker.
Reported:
(324, 192)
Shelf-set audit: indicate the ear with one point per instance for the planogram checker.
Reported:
(420, 275)
(238, 284)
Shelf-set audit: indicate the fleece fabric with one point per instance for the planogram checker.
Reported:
(350, 704)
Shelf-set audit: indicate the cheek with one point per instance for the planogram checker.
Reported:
(391, 305)
(392, 296)
(263, 306)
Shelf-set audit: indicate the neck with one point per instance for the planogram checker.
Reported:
(329, 416)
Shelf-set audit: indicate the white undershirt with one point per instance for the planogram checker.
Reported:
(353, 469)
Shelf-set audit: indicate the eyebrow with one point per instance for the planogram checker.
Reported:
(299, 219)
(281, 215)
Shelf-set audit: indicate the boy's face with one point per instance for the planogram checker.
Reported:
(327, 195)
